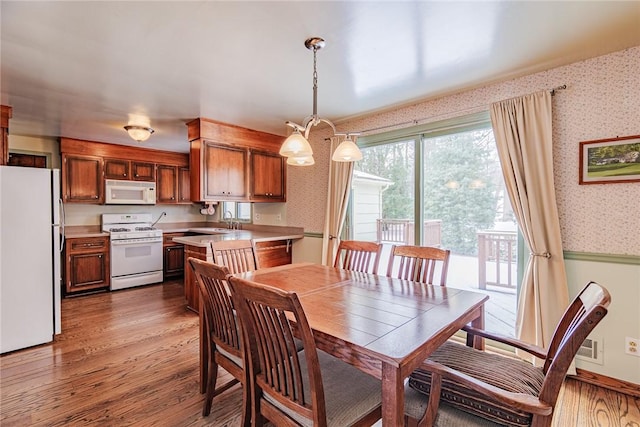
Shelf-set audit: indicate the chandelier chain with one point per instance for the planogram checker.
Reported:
(315, 83)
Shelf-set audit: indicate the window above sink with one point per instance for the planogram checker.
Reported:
(235, 211)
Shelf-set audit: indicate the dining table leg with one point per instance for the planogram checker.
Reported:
(392, 396)
(478, 323)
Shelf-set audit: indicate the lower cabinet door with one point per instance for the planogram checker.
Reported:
(173, 261)
(87, 271)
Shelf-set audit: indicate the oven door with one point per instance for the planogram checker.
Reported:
(134, 256)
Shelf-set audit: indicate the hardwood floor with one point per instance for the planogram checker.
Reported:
(131, 358)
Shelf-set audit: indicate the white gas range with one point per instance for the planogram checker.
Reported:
(136, 250)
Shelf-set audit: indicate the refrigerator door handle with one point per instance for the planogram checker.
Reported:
(62, 220)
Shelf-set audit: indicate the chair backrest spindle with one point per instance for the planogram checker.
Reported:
(419, 264)
(237, 255)
(358, 256)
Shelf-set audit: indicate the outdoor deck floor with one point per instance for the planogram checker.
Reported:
(500, 309)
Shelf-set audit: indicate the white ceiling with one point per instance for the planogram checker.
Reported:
(81, 69)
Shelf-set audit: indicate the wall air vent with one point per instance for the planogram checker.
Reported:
(591, 350)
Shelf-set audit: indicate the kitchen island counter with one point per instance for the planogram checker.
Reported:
(216, 234)
(273, 246)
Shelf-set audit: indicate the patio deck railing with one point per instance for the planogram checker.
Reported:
(497, 249)
(402, 231)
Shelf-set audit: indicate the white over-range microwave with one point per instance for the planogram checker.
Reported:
(118, 192)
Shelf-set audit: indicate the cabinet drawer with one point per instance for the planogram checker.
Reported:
(87, 244)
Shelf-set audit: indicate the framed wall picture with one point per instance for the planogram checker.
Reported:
(605, 161)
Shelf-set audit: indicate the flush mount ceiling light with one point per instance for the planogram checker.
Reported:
(139, 133)
(296, 147)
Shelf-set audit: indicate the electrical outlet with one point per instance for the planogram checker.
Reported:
(257, 216)
(631, 346)
(279, 217)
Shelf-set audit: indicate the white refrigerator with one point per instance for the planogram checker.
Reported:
(31, 239)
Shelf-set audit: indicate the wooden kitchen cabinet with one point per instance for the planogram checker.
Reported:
(219, 160)
(129, 170)
(86, 164)
(82, 179)
(184, 185)
(268, 177)
(6, 113)
(87, 265)
(167, 188)
(173, 256)
(222, 172)
(141, 171)
(173, 185)
(274, 253)
(117, 169)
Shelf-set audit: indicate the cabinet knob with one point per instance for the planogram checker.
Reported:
(173, 198)
(95, 197)
(124, 174)
(137, 175)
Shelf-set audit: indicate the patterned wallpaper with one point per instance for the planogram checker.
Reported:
(602, 100)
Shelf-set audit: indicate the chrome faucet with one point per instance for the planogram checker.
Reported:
(229, 219)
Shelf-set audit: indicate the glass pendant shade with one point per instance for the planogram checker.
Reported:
(301, 161)
(296, 145)
(347, 151)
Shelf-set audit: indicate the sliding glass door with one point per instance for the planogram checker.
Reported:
(468, 212)
(442, 186)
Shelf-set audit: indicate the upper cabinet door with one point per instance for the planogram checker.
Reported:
(184, 185)
(167, 188)
(268, 177)
(141, 171)
(225, 172)
(82, 180)
(129, 170)
(117, 169)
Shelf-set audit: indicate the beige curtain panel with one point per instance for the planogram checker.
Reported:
(522, 128)
(340, 174)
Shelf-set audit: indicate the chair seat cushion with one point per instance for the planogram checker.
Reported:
(415, 405)
(504, 372)
(349, 393)
(235, 359)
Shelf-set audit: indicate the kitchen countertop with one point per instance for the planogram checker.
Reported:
(215, 234)
(207, 232)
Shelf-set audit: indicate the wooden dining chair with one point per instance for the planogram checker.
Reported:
(358, 256)
(237, 255)
(419, 264)
(475, 388)
(224, 340)
(291, 387)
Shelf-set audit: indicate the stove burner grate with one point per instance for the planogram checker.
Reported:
(116, 230)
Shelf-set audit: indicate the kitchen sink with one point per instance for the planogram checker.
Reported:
(211, 230)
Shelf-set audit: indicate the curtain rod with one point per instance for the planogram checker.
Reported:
(416, 121)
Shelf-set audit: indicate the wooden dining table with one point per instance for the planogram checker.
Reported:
(384, 326)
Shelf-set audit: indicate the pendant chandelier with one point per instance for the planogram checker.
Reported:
(296, 147)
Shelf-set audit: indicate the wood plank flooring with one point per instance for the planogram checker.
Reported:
(131, 358)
